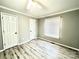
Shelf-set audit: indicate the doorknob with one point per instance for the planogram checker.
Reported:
(15, 32)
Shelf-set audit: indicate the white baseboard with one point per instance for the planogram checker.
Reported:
(6, 48)
(60, 44)
(17, 44)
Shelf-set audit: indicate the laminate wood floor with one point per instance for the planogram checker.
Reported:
(38, 49)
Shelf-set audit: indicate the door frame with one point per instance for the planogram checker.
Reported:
(2, 23)
(35, 28)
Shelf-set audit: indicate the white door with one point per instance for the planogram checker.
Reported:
(9, 25)
(33, 29)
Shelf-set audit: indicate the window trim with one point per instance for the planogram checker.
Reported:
(60, 28)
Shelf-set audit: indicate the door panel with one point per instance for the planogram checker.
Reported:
(9, 30)
(33, 29)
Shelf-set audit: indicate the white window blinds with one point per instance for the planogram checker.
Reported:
(52, 27)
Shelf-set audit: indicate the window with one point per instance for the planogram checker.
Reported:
(52, 27)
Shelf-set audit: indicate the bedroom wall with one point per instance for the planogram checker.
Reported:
(23, 27)
(1, 44)
(70, 29)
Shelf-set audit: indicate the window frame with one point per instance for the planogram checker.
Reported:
(60, 27)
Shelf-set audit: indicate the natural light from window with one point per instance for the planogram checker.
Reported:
(52, 27)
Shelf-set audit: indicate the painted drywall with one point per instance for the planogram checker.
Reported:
(1, 44)
(49, 6)
(19, 5)
(23, 27)
(70, 29)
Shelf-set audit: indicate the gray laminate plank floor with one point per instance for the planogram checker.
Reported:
(38, 49)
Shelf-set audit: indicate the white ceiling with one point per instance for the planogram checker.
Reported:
(48, 6)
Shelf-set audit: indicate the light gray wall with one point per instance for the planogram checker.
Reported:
(1, 44)
(70, 29)
(23, 27)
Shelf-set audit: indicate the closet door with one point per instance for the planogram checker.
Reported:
(33, 29)
(9, 25)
